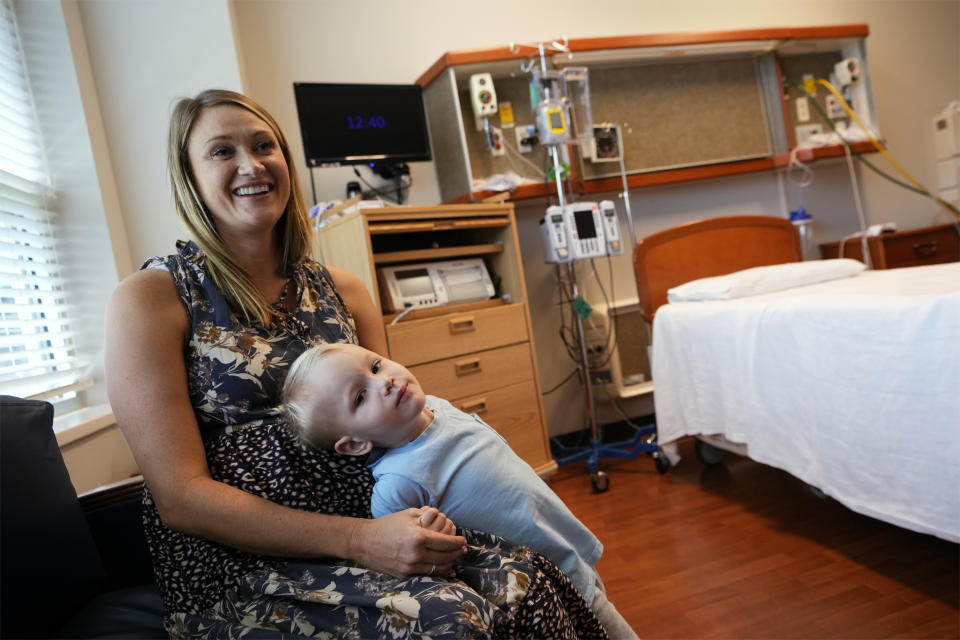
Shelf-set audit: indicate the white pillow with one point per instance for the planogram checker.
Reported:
(751, 282)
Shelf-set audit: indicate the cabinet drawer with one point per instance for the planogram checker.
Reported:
(514, 413)
(430, 339)
(474, 373)
(921, 246)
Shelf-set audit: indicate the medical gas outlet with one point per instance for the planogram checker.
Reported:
(483, 98)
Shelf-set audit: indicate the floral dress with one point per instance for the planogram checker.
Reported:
(235, 372)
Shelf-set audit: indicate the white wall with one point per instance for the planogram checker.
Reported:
(146, 53)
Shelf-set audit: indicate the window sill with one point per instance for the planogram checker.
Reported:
(74, 425)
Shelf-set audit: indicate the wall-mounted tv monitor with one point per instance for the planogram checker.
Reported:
(361, 123)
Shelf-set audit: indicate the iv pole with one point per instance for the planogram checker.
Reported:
(593, 453)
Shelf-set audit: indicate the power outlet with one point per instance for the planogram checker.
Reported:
(805, 131)
(521, 135)
(497, 148)
(834, 108)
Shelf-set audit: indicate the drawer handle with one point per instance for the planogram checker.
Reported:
(475, 406)
(463, 324)
(466, 367)
(925, 249)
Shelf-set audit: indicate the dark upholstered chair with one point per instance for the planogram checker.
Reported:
(67, 570)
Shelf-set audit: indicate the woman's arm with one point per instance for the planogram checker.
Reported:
(368, 320)
(147, 329)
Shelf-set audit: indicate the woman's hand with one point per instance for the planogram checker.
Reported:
(397, 544)
(434, 520)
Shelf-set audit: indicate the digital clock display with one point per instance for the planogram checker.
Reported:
(354, 123)
(366, 122)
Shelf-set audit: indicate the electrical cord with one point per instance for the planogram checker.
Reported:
(608, 339)
(916, 189)
(540, 173)
(856, 200)
(626, 418)
(403, 186)
(573, 373)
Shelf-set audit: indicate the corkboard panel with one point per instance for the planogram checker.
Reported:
(680, 114)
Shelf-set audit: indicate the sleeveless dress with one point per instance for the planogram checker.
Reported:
(235, 372)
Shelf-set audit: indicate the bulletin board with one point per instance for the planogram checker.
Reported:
(680, 114)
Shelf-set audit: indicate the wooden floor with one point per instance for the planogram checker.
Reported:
(742, 550)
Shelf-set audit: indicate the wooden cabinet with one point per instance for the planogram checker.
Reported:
(911, 248)
(479, 355)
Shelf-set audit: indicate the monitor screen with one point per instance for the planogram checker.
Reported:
(584, 221)
(361, 123)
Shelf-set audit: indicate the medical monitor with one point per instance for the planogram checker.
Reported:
(361, 123)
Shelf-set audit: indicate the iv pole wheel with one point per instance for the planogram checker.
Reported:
(600, 481)
(662, 462)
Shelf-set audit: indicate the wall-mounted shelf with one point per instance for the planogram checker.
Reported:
(668, 92)
(443, 253)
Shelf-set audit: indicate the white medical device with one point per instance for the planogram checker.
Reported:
(483, 97)
(611, 228)
(847, 71)
(431, 284)
(555, 236)
(561, 101)
(581, 230)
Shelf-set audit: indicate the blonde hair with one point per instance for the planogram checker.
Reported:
(313, 429)
(293, 232)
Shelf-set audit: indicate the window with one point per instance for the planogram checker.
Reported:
(38, 358)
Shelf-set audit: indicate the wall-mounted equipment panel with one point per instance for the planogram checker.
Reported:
(679, 107)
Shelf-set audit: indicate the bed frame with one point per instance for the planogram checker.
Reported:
(703, 249)
(706, 248)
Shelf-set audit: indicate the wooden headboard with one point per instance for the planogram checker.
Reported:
(706, 248)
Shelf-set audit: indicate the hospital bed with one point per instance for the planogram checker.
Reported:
(851, 384)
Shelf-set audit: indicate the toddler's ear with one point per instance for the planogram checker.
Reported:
(352, 446)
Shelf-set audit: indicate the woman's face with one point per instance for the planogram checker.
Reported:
(239, 170)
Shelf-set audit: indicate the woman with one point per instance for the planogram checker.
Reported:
(238, 512)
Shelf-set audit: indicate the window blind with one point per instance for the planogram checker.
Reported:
(37, 354)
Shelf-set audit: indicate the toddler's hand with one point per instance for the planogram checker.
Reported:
(432, 520)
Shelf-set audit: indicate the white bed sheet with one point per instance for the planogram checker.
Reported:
(851, 385)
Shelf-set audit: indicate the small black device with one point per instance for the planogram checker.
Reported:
(380, 125)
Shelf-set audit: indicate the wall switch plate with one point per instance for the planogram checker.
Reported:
(803, 109)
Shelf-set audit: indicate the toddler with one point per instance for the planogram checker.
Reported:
(427, 452)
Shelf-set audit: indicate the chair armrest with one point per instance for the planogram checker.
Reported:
(111, 493)
(114, 515)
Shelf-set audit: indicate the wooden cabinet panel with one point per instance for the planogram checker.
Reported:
(921, 246)
(910, 248)
(514, 413)
(477, 372)
(419, 341)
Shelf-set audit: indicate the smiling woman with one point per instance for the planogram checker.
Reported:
(200, 344)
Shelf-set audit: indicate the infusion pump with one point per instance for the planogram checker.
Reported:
(581, 230)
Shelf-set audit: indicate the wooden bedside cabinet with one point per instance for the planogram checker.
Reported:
(910, 248)
(477, 355)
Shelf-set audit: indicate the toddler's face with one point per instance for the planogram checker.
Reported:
(370, 397)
